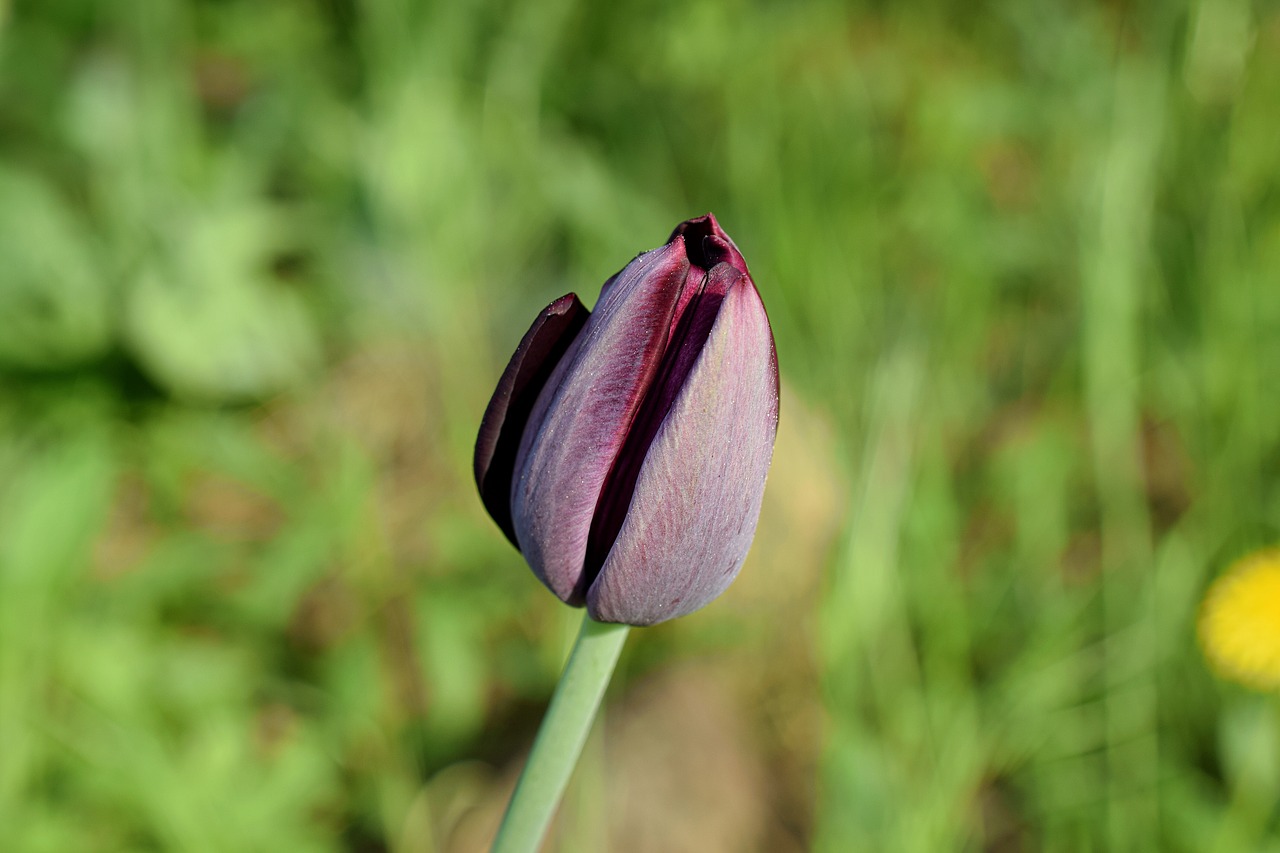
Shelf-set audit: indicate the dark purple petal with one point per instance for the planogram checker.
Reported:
(504, 420)
(580, 420)
(697, 500)
(708, 245)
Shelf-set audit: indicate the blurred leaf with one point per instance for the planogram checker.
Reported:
(207, 322)
(54, 297)
(49, 510)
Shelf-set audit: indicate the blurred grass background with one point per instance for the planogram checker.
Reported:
(261, 263)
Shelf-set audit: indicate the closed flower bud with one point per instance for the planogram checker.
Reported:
(625, 451)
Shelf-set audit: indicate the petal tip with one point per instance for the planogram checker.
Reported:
(707, 244)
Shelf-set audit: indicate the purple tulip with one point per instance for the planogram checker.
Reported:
(625, 451)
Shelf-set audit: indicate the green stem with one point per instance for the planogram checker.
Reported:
(559, 743)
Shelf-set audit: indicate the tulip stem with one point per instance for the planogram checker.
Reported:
(561, 737)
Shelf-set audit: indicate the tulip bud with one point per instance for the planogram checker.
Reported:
(625, 451)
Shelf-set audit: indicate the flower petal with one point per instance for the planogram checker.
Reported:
(582, 417)
(697, 500)
(686, 344)
(541, 349)
(708, 245)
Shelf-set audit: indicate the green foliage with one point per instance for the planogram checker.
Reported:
(261, 263)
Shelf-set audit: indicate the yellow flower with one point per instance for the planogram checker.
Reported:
(1240, 621)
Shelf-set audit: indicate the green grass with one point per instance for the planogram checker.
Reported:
(260, 265)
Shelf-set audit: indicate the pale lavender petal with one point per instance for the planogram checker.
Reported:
(697, 501)
(685, 346)
(582, 417)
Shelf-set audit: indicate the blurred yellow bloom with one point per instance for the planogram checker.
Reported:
(1240, 621)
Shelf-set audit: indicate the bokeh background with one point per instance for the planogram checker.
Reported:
(261, 264)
